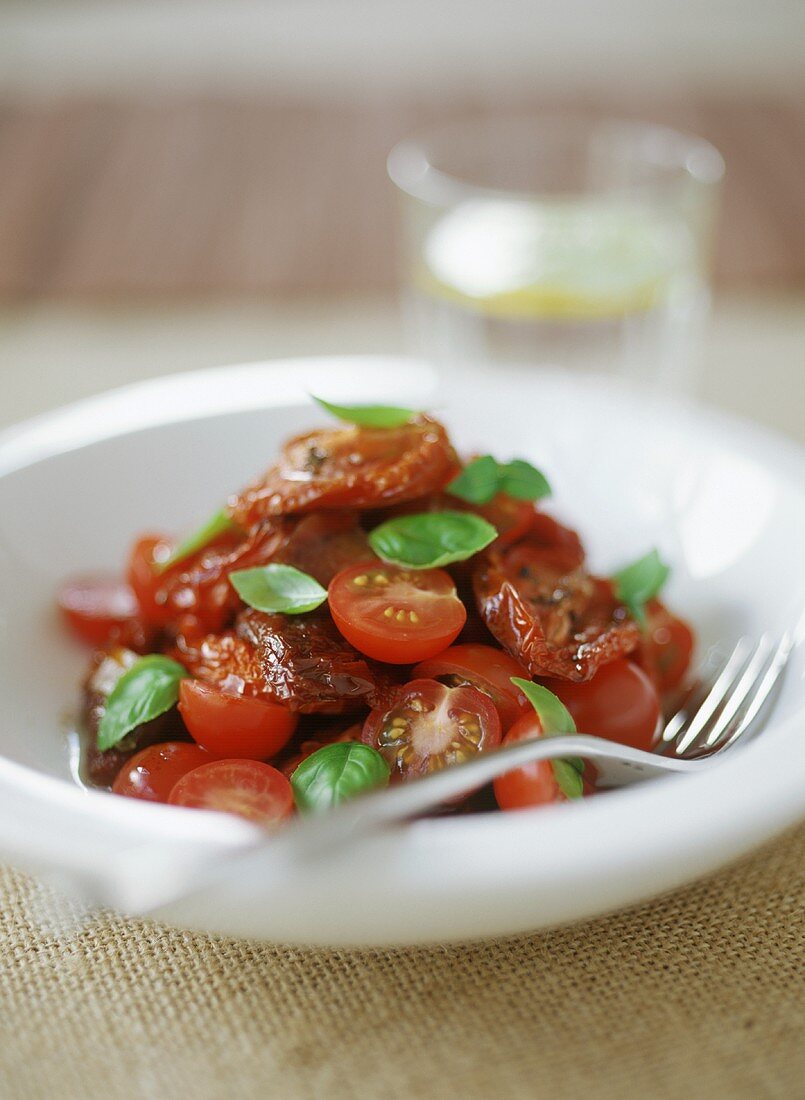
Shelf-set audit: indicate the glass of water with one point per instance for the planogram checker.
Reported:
(561, 241)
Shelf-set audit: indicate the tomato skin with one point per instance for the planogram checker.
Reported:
(395, 615)
(351, 467)
(145, 581)
(152, 773)
(533, 784)
(97, 608)
(667, 648)
(430, 726)
(247, 788)
(232, 725)
(620, 703)
(484, 667)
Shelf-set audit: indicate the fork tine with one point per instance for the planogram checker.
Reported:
(709, 670)
(688, 733)
(737, 697)
(772, 674)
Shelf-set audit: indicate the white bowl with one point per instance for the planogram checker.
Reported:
(724, 500)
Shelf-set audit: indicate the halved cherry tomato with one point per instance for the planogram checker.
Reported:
(619, 703)
(431, 726)
(667, 647)
(483, 667)
(533, 784)
(396, 615)
(247, 788)
(152, 773)
(234, 725)
(95, 607)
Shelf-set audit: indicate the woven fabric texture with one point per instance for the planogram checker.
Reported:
(699, 994)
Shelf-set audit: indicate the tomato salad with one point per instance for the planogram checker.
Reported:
(369, 611)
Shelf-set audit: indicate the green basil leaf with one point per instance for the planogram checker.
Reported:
(278, 587)
(484, 478)
(640, 582)
(148, 689)
(556, 720)
(368, 416)
(216, 525)
(521, 480)
(478, 482)
(568, 778)
(336, 773)
(554, 717)
(431, 539)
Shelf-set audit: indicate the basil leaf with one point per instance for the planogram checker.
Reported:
(484, 478)
(640, 582)
(336, 773)
(431, 539)
(568, 778)
(521, 480)
(278, 587)
(368, 416)
(556, 720)
(216, 525)
(478, 482)
(148, 689)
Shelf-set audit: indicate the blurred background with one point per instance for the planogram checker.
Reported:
(185, 183)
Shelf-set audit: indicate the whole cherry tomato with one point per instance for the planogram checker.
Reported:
(152, 773)
(234, 725)
(620, 703)
(667, 647)
(396, 615)
(533, 784)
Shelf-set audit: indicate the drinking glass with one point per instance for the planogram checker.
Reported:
(560, 240)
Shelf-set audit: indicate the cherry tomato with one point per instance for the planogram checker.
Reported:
(145, 581)
(667, 647)
(96, 607)
(483, 667)
(619, 703)
(532, 785)
(152, 773)
(247, 788)
(396, 615)
(431, 726)
(234, 725)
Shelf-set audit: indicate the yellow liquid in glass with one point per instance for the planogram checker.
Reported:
(568, 261)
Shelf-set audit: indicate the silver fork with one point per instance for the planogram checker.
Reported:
(724, 708)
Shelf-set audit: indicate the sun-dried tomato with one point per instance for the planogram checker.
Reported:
(351, 467)
(324, 543)
(199, 586)
(308, 666)
(546, 610)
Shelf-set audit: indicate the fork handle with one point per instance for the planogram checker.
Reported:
(313, 838)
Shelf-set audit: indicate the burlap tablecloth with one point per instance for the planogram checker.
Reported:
(700, 994)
